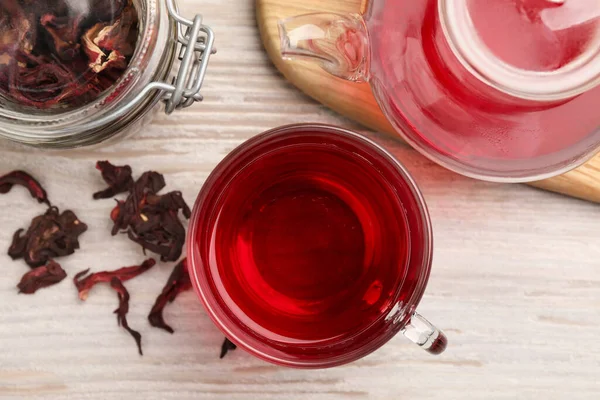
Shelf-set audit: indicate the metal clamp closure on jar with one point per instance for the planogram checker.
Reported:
(197, 45)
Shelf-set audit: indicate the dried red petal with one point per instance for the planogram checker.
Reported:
(105, 58)
(172, 201)
(151, 220)
(50, 235)
(116, 37)
(84, 285)
(151, 182)
(18, 26)
(227, 346)
(178, 282)
(120, 216)
(44, 86)
(18, 246)
(24, 179)
(41, 277)
(119, 179)
(161, 241)
(122, 311)
(46, 48)
(64, 30)
(107, 10)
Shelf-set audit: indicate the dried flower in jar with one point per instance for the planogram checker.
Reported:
(64, 54)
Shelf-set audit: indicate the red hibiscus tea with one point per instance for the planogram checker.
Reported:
(462, 119)
(305, 242)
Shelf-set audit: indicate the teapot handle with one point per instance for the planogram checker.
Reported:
(338, 43)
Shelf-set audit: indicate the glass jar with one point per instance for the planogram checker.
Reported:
(153, 74)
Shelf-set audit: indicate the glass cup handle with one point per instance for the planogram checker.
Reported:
(421, 332)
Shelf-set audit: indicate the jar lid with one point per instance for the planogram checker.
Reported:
(535, 49)
(58, 55)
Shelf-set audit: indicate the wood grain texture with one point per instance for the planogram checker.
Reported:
(356, 101)
(515, 282)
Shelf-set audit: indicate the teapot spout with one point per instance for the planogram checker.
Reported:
(338, 43)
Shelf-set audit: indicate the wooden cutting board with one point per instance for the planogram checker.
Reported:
(356, 100)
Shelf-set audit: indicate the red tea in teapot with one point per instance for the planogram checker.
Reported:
(535, 35)
(474, 79)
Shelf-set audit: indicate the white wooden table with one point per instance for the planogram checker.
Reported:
(515, 285)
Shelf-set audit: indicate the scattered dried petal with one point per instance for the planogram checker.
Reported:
(84, 285)
(24, 179)
(169, 251)
(120, 216)
(178, 282)
(119, 179)
(227, 346)
(41, 277)
(150, 220)
(151, 182)
(18, 246)
(49, 236)
(172, 201)
(122, 311)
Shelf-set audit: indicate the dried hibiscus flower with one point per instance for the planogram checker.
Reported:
(119, 179)
(41, 277)
(178, 282)
(122, 311)
(64, 31)
(107, 10)
(57, 54)
(18, 30)
(149, 219)
(50, 235)
(98, 59)
(43, 85)
(24, 179)
(227, 346)
(108, 45)
(85, 283)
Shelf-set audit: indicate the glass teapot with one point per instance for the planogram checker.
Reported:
(502, 90)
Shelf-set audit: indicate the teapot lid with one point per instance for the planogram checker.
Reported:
(535, 49)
